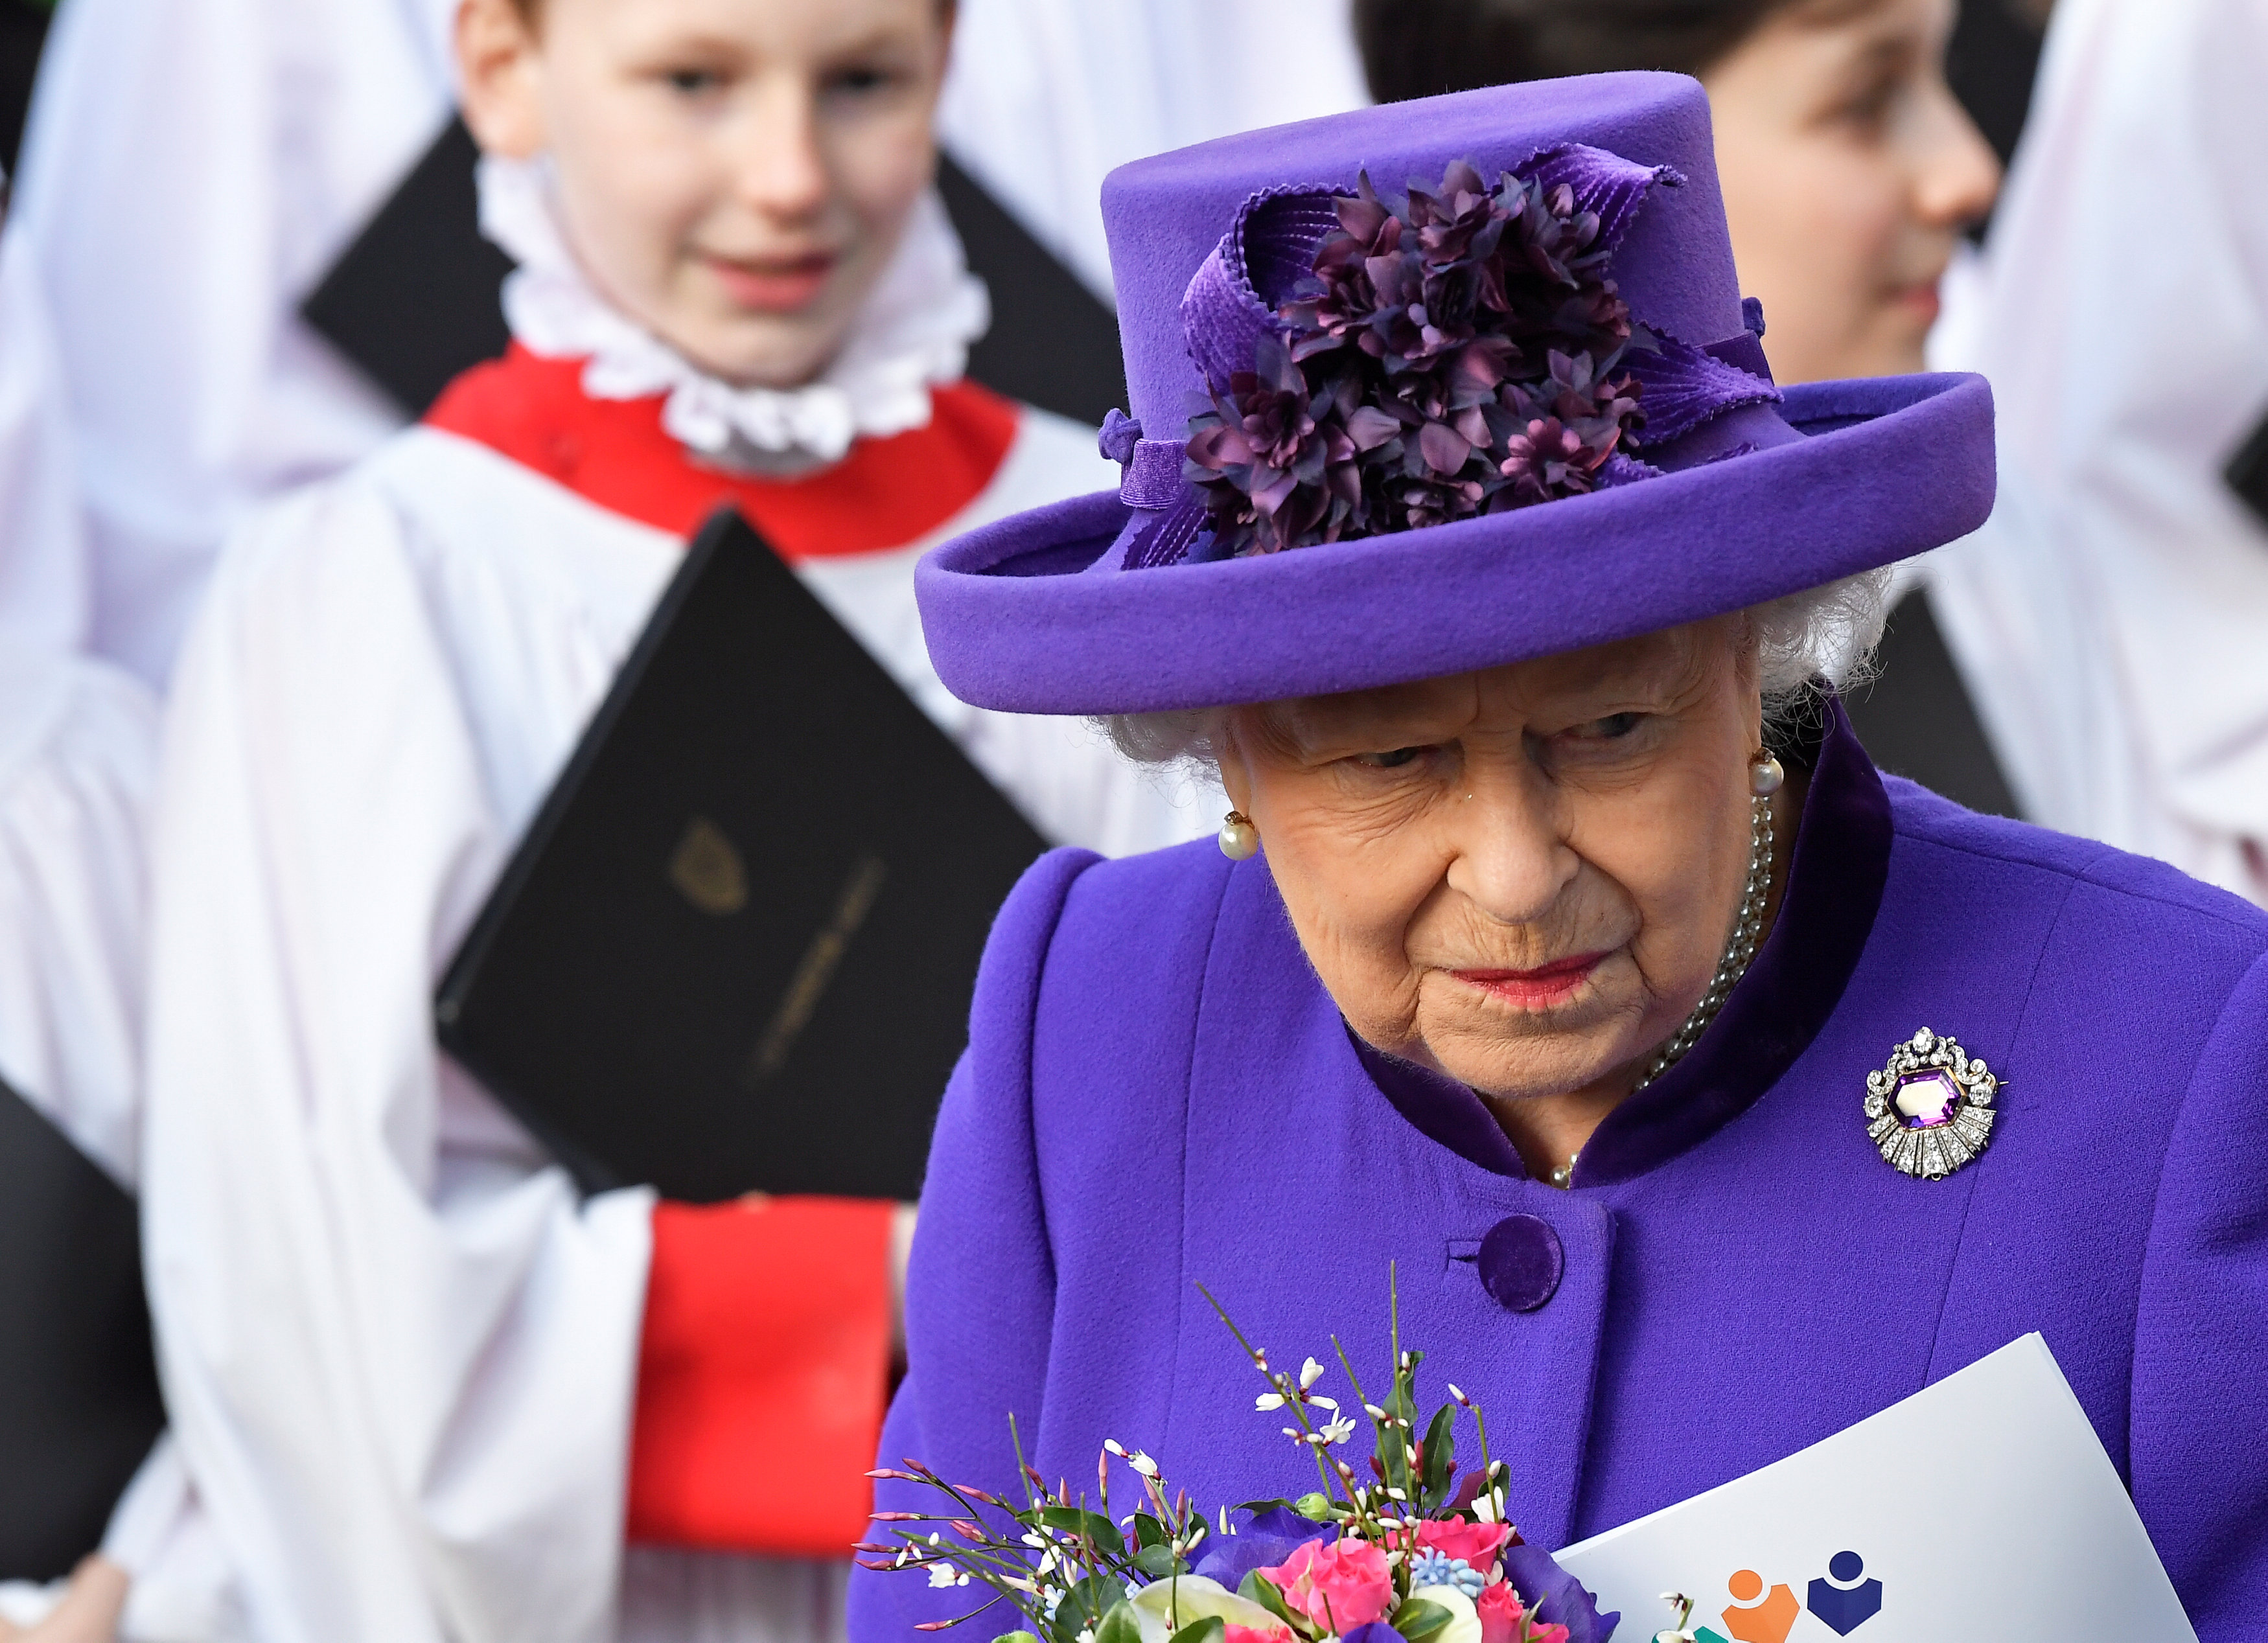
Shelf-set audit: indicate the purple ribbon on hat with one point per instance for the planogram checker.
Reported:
(1153, 475)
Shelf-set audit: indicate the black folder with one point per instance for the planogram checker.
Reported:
(734, 952)
(80, 1406)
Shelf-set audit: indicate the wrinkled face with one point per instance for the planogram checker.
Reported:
(733, 175)
(1849, 172)
(1523, 878)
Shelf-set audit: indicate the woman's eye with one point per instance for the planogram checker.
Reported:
(1391, 761)
(693, 81)
(1614, 727)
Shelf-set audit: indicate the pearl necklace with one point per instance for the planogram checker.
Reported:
(1747, 930)
(1739, 951)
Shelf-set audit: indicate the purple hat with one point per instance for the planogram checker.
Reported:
(1379, 438)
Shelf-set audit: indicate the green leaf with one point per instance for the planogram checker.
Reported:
(1119, 1625)
(1211, 1628)
(1148, 1531)
(1091, 1525)
(1158, 1562)
(1440, 1450)
(1418, 1619)
(1084, 1606)
(1016, 1637)
(1258, 1588)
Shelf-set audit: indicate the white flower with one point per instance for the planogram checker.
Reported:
(1332, 1404)
(1165, 1607)
(1464, 1620)
(1143, 1463)
(1338, 1430)
(1373, 1411)
(1460, 1396)
(940, 1575)
(1310, 1372)
(1268, 1401)
(1484, 1507)
(1111, 1444)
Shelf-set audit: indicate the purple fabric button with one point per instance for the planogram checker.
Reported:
(1520, 1263)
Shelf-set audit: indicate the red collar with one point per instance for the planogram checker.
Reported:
(884, 494)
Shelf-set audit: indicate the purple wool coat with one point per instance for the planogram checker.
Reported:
(1158, 1091)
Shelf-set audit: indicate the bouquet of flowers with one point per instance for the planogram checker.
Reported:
(1412, 1552)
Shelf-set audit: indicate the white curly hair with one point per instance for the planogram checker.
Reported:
(1807, 643)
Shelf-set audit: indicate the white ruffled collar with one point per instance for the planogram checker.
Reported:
(913, 331)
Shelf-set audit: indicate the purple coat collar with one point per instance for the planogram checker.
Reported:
(1835, 887)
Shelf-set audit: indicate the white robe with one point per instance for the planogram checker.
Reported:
(77, 756)
(400, 1352)
(44, 597)
(2111, 618)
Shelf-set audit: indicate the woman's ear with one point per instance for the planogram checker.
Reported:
(498, 76)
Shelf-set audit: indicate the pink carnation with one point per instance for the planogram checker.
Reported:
(1477, 1544)
(1338, 1587)
(1502, 1618)
(1258, 1634)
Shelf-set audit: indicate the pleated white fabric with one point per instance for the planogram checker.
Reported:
(2108, 619)
(190, 170)
(44, 596)
(78, 757)
(400, 1352)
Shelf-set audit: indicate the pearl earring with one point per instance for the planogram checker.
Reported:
(1239, 839)
(1765, 774)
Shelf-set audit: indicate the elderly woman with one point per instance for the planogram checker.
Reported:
(1565, 948)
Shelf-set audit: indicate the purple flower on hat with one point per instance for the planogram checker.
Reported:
(1456, 353)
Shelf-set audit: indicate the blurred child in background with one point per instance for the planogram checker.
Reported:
(1849, 170)
(414, 1374)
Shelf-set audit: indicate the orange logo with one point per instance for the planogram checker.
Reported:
(1751, 1621)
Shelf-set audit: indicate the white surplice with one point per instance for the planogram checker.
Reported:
(399, 1352)
(2111, 618)
(44, 597)
(77, 756)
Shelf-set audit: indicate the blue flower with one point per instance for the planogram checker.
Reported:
(1436, 1568)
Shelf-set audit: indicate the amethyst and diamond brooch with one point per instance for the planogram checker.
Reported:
(1930, 1109)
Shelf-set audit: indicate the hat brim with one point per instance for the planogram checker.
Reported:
(1889, 468)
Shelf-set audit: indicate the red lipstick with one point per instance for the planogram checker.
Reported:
(1538, 989)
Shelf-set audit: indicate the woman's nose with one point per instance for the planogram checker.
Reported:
(1956, 173)
(1510, 860)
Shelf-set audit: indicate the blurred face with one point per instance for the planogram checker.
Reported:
(1523, 878)
(733, 175)
(1849, 172)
